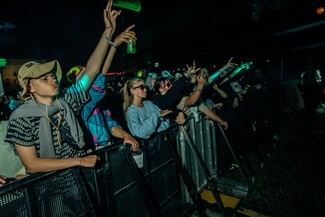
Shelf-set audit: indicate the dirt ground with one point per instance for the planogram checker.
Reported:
(292, 180)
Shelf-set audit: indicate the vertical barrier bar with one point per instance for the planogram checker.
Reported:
(206, 173)
(214, 149)
(208, 148)
(246, 172)
(200, 145)
(151, 206)
(192, 166)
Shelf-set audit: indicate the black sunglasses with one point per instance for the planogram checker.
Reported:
(142, 87)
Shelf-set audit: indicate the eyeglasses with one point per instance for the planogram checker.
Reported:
(142, 87)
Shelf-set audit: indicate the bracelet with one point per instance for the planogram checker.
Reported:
(109, 41)
(200, 90)
(112, 44)
(106, 38)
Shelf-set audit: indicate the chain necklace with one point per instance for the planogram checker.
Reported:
(57, 128)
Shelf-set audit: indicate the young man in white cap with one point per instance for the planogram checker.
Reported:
(44, 130)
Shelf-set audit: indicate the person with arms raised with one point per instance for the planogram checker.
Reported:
(44, 130)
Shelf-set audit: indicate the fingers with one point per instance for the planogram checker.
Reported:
(129, 28)
(105, 15)
(2, 180)
(89, 161)
(135, 146)
(109, 5)
(115, 14)
(125, 37)
(229, 61)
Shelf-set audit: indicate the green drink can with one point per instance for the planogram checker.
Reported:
(132, 47)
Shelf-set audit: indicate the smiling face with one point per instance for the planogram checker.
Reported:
(45, 88)
(165, 85)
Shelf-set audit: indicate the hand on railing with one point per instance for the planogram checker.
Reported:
(180, 119)
(89, 161)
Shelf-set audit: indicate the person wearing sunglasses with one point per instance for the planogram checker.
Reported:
(183, 101)
(142, 116)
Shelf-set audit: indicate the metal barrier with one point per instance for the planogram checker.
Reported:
(199, 146)
(175, 171)
(115, 187)
(203, 135)
(53, 194)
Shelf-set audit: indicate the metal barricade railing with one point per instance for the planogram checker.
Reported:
(115, 187)
(202, 134)
(178, 164)
(198, 146)
(52, 194)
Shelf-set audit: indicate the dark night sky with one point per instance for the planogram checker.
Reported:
(173, 32)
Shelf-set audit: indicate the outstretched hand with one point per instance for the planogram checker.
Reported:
(126, 36)
(110, 18)
(229, 63)
(192, 69)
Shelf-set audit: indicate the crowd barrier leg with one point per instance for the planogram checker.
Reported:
(212, 186)
(246, 172)
(187, 179)
(145, 192)
(162, 176)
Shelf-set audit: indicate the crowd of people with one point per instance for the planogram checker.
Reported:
(54, 128)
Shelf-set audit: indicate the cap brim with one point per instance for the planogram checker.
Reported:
(43, 69)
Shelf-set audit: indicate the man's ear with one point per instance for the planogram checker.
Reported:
(30, 88)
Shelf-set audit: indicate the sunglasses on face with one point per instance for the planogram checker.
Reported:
(142, 87)
(168, 84)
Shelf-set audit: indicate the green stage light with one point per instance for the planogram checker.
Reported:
(3, 62)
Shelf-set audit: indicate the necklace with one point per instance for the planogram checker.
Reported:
(57, 128)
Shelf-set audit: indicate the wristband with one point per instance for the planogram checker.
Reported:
(109, 41)
(106, 38)
(112, 44)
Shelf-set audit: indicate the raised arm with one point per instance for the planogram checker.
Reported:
(228, 66)
(191, 100)
(97, 57)
(125, 36)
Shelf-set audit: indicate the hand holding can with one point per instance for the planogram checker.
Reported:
(131, 47)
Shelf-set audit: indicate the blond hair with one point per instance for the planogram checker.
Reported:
(127, 95)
